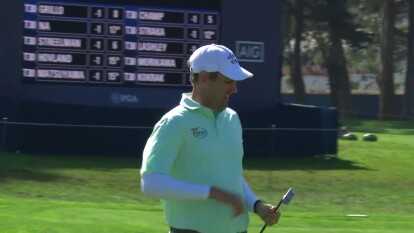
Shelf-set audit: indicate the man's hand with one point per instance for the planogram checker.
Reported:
(267, 213)
(228, 198)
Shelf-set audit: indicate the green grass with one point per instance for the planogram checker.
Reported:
(85, 194)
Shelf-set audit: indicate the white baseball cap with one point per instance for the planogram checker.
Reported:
(213, 58)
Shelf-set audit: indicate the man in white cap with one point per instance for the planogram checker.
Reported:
(193, 159)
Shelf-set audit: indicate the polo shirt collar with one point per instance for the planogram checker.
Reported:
(190, 104)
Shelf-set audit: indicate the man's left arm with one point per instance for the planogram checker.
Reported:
(266, 212)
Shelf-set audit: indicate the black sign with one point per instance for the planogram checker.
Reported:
(112, 43)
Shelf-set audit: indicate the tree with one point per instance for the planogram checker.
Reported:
(371, 13)
(332, 16)
(386, 76)
(296, 64)
(295, 9)
(408, 106)
(336, 62)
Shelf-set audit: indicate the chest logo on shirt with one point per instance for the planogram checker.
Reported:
(199, 132)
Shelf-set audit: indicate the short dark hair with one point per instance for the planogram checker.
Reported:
(211, 76)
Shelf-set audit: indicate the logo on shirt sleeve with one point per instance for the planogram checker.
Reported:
(199, 132)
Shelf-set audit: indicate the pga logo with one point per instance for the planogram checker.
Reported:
(117, 98)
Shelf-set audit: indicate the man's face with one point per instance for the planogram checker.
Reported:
(219, 92)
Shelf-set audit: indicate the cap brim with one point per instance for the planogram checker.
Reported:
(237, 74)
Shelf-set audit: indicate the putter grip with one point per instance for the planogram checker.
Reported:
(277, 207)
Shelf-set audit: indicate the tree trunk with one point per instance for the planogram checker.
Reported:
(408, 107)
(387, 103)
(296, 65)
(339, 78)
(337, 66)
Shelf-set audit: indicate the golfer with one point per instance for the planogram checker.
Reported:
(193, 159)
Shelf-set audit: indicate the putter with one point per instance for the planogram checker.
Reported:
(285, 199)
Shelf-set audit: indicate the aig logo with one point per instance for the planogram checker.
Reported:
(250, 51)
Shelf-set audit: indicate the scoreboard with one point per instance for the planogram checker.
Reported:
(113, 43)
(123, 62)
(132, 53)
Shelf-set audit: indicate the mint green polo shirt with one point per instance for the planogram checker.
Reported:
(191, 144)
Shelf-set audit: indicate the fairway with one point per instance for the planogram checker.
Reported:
(367, 187)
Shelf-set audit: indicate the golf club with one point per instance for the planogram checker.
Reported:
(285, 199)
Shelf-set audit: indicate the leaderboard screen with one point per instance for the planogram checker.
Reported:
(113, 43)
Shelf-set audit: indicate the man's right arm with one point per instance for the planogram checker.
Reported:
(165, 187)
(227, 198)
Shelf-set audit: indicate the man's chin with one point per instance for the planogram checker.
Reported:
(223, 107)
